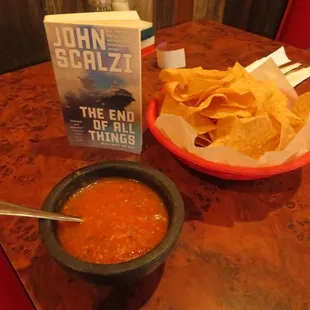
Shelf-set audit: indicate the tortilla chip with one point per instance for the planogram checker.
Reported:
(212, 135)
(197, 121)
(224, 126)
(252, 137)
(170, 105)
(178, 93)
(200, 123)
(302, 109)
(196, 86)
(277, 106)
(224, 111)
(239, 98)
(287, 135)
(242, 79)
(231, 108)
(177, 75)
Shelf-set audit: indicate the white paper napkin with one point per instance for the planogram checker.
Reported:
(280, 58)
(170, 58)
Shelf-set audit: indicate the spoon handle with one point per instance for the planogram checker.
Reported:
(15, 210)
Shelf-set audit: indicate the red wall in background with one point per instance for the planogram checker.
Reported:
(295, 26)
(13, 295)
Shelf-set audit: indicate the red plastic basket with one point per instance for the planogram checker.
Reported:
(218, 170)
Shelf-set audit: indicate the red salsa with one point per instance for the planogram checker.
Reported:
(123, 219)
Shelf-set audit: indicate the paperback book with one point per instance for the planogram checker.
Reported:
(97, 64)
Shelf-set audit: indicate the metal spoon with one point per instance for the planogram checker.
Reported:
(15, 210)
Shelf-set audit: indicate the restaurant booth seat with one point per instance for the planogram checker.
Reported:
(295, 25)
(13, 295)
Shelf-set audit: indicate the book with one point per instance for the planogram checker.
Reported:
(147, 30)
(147, 38)
(148, 46)
(97, 64)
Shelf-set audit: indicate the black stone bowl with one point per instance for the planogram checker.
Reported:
(113, 273)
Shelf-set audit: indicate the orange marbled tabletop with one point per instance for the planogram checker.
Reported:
(244, 245)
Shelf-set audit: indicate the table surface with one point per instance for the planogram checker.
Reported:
(244, 245)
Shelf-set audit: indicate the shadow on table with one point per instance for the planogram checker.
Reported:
(53, 287)
(134, 296)
(60, 147)
(223, 202)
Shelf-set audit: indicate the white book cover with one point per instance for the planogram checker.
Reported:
(97, 63)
